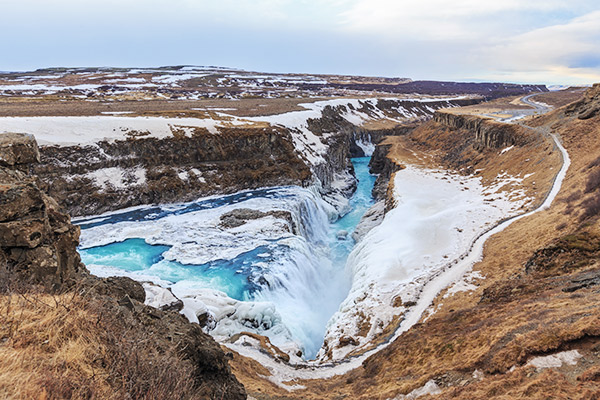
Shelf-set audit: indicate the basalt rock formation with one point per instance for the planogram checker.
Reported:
(587, 107)
(168, 170)
(486, 132)
(37, 241)
(111, 175)
(384, 167)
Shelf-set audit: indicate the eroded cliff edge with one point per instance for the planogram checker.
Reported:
(67, 334)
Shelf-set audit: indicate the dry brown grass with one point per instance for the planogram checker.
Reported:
(66, 347)
(49, 349)
(561, 98)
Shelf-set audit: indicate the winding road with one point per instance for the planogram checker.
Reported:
(515, 115)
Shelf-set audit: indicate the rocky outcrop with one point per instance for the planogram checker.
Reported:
(240, 216)
(487, 134)
(587, 107)
(37, 241)
(335, 133)
(384, 167)
(372, 217)
(18, 150)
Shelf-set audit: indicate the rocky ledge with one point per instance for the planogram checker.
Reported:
(37, 240)
(487, 133)
(587, 107)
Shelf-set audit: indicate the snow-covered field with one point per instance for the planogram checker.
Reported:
(68, 131)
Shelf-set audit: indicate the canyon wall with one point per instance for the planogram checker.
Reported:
(192, 163)
(486, 133)
(113, 175)
(37, 241)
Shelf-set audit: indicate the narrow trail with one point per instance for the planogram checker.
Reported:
(284, 375)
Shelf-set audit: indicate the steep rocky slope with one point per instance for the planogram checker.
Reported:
(112, 175)
(37, 240)
(67, 334)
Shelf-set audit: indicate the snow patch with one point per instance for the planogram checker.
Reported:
(117, 177)
(430, 388)
(555, 360)
(507, 149)
(465, 284)
(68, 131)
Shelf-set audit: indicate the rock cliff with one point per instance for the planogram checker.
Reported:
(113, 175)
(194, 162)
(487, 133)
(37, 241)
(587, 107)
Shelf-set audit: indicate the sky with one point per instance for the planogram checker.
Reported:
(524, 41)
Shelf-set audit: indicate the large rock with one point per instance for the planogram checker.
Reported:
(589, 106)
(38, 243)
(28, 233)
(18, 149)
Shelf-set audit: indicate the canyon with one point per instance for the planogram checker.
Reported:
(309, 298)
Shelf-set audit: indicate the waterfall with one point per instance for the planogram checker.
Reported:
(364, 141)
(277, 276)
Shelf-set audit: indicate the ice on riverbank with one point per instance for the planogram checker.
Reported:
(252, 261)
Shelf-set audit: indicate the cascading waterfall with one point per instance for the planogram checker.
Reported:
(365, 142)
(260, 276)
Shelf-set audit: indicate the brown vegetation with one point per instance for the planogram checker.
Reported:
(560, 98)
(65, 334)
(65, 346)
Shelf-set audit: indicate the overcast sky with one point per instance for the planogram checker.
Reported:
(545, 41)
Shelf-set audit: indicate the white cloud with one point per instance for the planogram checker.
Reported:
(553, 44)
(508, 40)
(445, 20)
(570, 50)
(535, 40)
